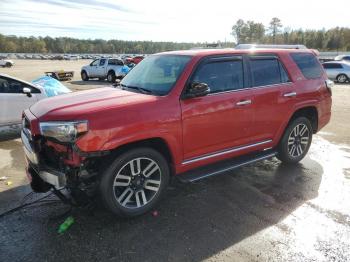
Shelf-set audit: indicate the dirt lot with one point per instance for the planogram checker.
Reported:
(263, 212)
(31, 69)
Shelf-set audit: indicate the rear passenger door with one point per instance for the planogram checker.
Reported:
(222, 119)
(274, 94)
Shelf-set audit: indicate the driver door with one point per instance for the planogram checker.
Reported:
(101, 68)
(221, 120)
(93, 68)
(13, 101)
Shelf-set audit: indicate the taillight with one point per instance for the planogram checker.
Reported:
(329, 85)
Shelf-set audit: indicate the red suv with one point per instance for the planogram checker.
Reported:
(189, 114)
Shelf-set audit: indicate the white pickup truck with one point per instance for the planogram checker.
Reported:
(110, 68)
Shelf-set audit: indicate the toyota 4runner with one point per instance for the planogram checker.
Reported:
(189, 114)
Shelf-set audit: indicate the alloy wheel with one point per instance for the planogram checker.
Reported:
(137, 182)
(342, 79)
(298, 140)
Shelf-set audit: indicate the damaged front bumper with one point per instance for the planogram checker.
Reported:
(49, 176)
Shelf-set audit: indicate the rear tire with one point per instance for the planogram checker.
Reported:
(296, 141)
(111, 77)
(342, 78)
(84, 76)
(8, 64)
(134, 182)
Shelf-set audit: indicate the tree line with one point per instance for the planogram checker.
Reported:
(16, 44)
(334, 39)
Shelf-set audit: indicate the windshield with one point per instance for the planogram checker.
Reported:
(156, 74)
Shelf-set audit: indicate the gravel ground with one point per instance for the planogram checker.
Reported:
(31, 69)
(263, 212)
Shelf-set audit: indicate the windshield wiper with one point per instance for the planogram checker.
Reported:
(140, 89)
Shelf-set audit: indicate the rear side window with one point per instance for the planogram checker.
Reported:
(221, 76)
(332, 66)
(308, 65)
(115, 62)
(267, 71)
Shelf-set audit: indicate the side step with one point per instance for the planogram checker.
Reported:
(224, 166)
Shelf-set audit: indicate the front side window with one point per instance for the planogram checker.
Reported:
(308, 65)
(221, 76)
(102, 62)
(10, 86)
(94, 63)
(267, 71)
(156, 74)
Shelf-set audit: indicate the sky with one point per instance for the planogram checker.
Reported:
(161, 20)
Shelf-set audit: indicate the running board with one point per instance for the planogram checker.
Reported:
(224, 166)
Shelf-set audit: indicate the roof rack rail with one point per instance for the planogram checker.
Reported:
(257, 46)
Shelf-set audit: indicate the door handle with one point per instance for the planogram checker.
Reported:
(244, 102)
(291, 94)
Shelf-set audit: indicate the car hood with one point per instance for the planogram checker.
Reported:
(78, 105)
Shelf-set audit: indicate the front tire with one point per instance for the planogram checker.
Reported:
(296, 141)
(84, 76)
(8, 64)
(342, 78)
(134, 182)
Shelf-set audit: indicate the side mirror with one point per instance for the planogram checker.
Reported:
(197, 89)
(27, 91)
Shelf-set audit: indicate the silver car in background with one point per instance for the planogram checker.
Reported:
(338, 70)
(345, 58)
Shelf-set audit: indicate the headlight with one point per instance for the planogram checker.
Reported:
(64, 131)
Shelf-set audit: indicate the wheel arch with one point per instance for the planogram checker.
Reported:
(157, 143)
(310, 112)
(84, 70)
(111, 71)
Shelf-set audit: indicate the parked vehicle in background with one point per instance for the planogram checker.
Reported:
(133, 60)
(71, 57)
(6, 63)
(61, 75)
(345, 58)
(17, 95)
(110, 68)
(190, 114)
(338, 71)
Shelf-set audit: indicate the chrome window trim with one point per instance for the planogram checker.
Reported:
(223, 152)
(252, 88)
